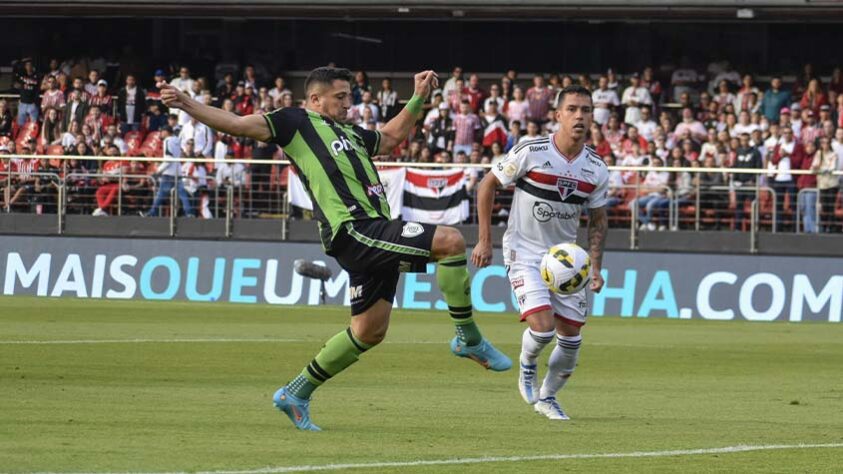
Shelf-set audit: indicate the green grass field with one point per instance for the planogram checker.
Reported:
(163, 387)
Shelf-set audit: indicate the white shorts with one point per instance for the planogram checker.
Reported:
(534, 296)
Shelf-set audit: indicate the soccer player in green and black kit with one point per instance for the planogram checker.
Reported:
(333, 159)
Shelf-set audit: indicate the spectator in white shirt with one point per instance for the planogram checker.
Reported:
(633, 98)
(605, 100)
(366, 103)
(646, 125)
(184, 82)
(201, 135)
(169, 172)
(652, 190)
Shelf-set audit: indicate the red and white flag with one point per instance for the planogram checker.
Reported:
(435, 197)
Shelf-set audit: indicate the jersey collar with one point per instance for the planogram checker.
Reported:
(559, 152)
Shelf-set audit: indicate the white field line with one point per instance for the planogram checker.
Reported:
(243, 340)
(502, 459)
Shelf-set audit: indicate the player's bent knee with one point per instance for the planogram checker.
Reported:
(541, 321)
(371, 325)
(447, 242)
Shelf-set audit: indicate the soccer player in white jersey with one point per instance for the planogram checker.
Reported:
(555, 178)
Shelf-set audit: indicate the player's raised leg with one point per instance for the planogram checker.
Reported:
(369, 323)
(448, 251)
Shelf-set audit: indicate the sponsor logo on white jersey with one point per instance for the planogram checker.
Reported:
(544, 212)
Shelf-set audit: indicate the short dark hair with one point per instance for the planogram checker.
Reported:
(574, 89)
(327, 75)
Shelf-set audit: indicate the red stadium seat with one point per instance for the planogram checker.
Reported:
(133, 140)
(55, 150)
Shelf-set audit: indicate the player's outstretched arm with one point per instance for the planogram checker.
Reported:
(482, 254)
(598, 227)
(396, 130)
(252, 126)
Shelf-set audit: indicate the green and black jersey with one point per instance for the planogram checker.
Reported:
(334, 163)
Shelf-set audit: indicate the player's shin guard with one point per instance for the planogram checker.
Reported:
(453, 279)
(532, 344)
(336, 355)
(561, 364)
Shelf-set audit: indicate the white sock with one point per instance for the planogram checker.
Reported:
(532, 344)
(561, 365)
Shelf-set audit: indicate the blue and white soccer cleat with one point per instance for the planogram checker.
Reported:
(528, 383)
(484, 354)
(297, 409)
(550, 408)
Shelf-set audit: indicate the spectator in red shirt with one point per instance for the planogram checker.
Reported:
(102, 99)
(809, 131)
(475, 93)
(96, 120)
(244, 104)
(632, 136)
(539, 97)
(457, 94)
(56, 73)
(613, 132)
(53, 97)
(93, 82)
(814, 97)
(109, 183)
(466, 127)
(599, 143)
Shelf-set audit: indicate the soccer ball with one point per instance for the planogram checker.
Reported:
(566, 268)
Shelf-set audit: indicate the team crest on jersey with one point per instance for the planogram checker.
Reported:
(437, 183)
(412, 229)
(566, 187)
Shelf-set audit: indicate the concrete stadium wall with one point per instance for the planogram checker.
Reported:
(638, 284)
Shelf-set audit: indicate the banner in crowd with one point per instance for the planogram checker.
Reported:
(638, 284)
(429, 196)
(435, 197)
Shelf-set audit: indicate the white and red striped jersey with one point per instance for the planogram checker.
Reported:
(551, 191)
(113, 168)
(24, 167)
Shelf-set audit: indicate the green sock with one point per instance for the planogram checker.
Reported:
(453, 279)
(336, 355)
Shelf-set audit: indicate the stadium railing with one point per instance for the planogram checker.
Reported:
(244, 193)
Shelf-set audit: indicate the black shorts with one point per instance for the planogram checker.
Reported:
(374, 253)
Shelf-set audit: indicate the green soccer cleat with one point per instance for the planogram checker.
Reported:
(297, 409)
(484, 354)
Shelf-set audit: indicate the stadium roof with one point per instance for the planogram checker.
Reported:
(695, 10)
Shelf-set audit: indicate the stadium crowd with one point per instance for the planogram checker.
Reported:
(718, 118)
